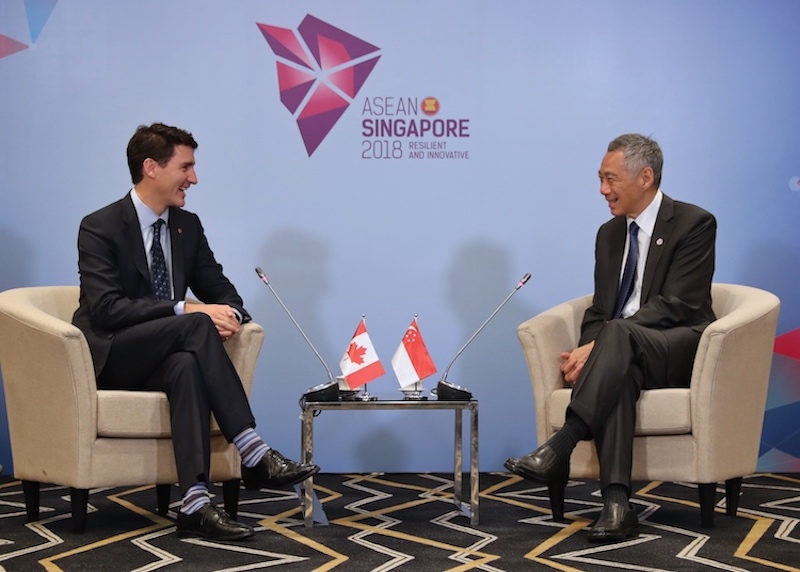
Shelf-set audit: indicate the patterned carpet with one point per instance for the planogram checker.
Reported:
(382, 522)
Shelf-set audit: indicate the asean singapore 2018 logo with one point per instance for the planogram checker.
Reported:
(321, 70)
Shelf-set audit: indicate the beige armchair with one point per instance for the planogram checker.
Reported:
(704, 434)
(65, 431)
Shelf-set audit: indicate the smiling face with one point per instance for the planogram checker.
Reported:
(165, 185)
(628, 194)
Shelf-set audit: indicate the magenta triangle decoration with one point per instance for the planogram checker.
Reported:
(320, 71)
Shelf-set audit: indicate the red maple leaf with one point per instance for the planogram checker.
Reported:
(356, 353)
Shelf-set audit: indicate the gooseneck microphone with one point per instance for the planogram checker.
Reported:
(447, 390)
(288, 313)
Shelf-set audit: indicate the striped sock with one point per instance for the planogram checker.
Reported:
(251, 447)
(195, 498)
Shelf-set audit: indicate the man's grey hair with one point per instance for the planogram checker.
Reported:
(640, 152)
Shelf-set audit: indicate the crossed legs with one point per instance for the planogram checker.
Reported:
(626, 358)
(184, 356)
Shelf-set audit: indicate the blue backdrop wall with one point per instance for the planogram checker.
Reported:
(347, 220)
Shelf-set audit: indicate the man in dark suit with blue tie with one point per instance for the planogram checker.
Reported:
(654, 263)
(137, 258)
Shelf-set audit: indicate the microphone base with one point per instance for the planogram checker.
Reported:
(446, 391)
(328, 391)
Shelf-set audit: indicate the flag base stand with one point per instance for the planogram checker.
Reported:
(366, 396)
(413, 392)
(347, 395)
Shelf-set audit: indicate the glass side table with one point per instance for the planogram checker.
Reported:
(459, 407)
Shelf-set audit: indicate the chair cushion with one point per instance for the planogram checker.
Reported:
(132, 414)
(658, 412)
(135, 415)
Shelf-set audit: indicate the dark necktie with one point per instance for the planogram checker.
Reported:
(629, 274)
(161, 288)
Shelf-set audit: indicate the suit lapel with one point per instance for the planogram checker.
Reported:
(176, 231)
(132, 235)
(658, 242)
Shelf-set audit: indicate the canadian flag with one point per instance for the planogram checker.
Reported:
(360, 363)
(412, 362)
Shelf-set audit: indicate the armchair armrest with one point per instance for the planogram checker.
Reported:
(46, 357)
(730, 380)
(243, 349)
(543, 338)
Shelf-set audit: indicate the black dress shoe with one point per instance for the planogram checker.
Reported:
(542, 466)
(211, 523)
(616, 522)
(276, 471)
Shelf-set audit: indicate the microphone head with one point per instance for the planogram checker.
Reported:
(524, 280)
(261, 273)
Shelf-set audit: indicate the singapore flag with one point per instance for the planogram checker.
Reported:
(412, 362)
(360, 363)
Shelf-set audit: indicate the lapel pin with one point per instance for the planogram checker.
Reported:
(180, 231)
(659, 241)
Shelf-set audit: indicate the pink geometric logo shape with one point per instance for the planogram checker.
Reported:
(10, 46)
(321, 69)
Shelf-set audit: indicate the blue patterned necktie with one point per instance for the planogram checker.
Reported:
(629, 275)
(158, 271)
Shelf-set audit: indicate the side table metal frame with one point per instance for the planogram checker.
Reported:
(307, 444)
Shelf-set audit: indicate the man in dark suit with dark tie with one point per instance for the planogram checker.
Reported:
(654, 262)
(137, 258)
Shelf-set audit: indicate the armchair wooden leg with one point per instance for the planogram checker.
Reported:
(557, 493)
(230, 497)
(80, 501)
(733, 487)
(30, 490)
(708, 495)
(162, 498)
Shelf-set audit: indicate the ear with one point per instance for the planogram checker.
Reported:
(646, 177)
(149, 167)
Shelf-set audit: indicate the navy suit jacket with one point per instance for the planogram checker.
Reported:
(116, 291)
(676, 287)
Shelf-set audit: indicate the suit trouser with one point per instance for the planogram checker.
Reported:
(626, 358)
(183, 356)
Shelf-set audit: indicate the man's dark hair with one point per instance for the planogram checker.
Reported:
(640, 152)
(156, 142)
